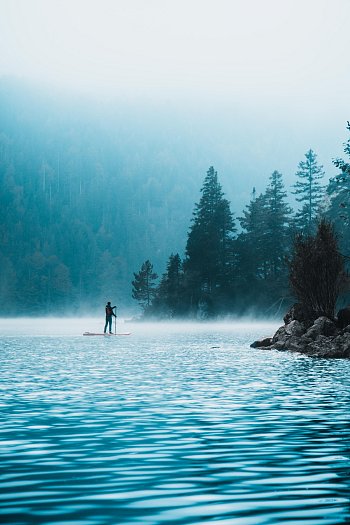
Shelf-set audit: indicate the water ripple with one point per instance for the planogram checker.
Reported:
(162, 428)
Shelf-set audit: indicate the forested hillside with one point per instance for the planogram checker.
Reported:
(82, 202)
(87, 196)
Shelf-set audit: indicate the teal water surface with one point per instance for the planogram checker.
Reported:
(175, 424)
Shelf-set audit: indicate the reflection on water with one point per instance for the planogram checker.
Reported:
(181, 425)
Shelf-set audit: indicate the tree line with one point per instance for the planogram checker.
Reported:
(235, 266)
(85, 200)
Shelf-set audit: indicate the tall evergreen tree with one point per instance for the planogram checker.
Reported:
(339, 193)
(278, 237)
(263, 246)
(169, 299)
(253, 245)
(144, 285)
(339, 204)
(308, 191)
(209, 249)
(342, 164)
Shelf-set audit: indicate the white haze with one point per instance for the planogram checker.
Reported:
(253, 83)
(291, 53)
(75, 327)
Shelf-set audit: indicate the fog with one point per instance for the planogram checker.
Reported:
(214, 50)
(247, 77)
(75, 327)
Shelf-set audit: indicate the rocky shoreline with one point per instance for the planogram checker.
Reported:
(321, 337)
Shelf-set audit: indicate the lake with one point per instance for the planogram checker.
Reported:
(174, 424)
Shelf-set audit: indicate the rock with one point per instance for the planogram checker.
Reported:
(280, 335)
(293, 344)
(322, 326)
(322, 338)
(279, 345)
(295, 328)
(342, 345)
(334, 347)
(262, 343)
(305, 340)
(284, 334)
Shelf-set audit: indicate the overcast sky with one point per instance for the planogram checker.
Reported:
(232, 49)
(285, 63)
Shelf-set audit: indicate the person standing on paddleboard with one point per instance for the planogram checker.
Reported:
(109, 315)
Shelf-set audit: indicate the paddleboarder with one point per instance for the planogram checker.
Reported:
(109, 315)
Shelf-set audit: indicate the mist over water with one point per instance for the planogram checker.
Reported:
(176, 423)
(76, 326)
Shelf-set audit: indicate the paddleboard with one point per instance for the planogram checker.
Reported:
(106, 335)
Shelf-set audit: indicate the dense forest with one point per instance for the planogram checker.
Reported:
(80, 220)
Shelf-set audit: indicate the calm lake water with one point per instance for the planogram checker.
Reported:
(175, 424)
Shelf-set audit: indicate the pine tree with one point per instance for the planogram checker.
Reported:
(209, 249)
(253, 244)
(339, 192)
(169, 300)
(144, 285)
(338, 211)
(263, 246)
(308, 191)
(278, 238)
(343, 165)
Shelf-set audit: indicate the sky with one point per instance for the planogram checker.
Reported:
(183, 48)
(284, 62)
